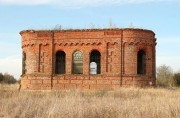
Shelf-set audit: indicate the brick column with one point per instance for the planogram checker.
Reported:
(68, 62)
(103, 58)
(86, 58)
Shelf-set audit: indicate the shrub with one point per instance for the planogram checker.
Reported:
(7, 78)
(176, 78)
(1, 77)
(165, 76)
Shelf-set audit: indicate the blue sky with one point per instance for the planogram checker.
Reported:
(161, 16)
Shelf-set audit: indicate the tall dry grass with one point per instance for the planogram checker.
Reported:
(122, 103)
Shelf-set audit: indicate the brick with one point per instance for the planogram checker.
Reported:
(80, 86)
(70, 86)
(93, 77)
(25, 81)
(86, 78)
(103, 82)
(58, 86)
(59, 77)
(45, 86)
(112, 78)
(36, 81)
(116, 82)
(40, 87)
(63, 81)
(55, 81)
(89, 82)
(117, 59)
(76, 81)
(101, 87)
(46, 81)
(116, 86)
(80, 77)
(70, 77)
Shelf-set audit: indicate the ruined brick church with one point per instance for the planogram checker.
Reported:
(88, 59)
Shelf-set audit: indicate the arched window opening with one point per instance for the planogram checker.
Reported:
(95, 56)
(24, 63)
(60, 62)
(141, 62)
(77, 62)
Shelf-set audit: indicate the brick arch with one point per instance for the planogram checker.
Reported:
(77, 62)
(60, 50)
(60, 62)
(141, 47)
(141, 62)
(95, 56)
(77, 50)
(94, 49)
(44, 44)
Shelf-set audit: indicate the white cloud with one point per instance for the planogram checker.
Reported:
(167, 51)
(171, 61)
(11, 65)
(9, 46)
(79, 3)
(25, 2)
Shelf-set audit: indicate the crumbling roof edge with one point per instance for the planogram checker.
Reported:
(83, 30)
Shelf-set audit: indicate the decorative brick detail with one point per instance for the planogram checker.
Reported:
(118, 50)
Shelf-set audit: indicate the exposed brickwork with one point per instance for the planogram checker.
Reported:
(118, 49)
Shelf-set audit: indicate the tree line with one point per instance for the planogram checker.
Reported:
(7, 78)
(166, 77)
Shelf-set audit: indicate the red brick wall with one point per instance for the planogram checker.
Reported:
(118, 48)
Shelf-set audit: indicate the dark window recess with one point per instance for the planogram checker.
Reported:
(95, 56)
(141, 62)
(60, 62)
(24, 64)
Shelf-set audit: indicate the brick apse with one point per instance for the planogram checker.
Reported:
(88, 58)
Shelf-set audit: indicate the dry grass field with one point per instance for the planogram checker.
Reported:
(122, 103)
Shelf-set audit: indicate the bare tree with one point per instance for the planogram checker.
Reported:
(111, 25)
(92, 26)
(165, 76)
(58, 27)
(131, 25)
